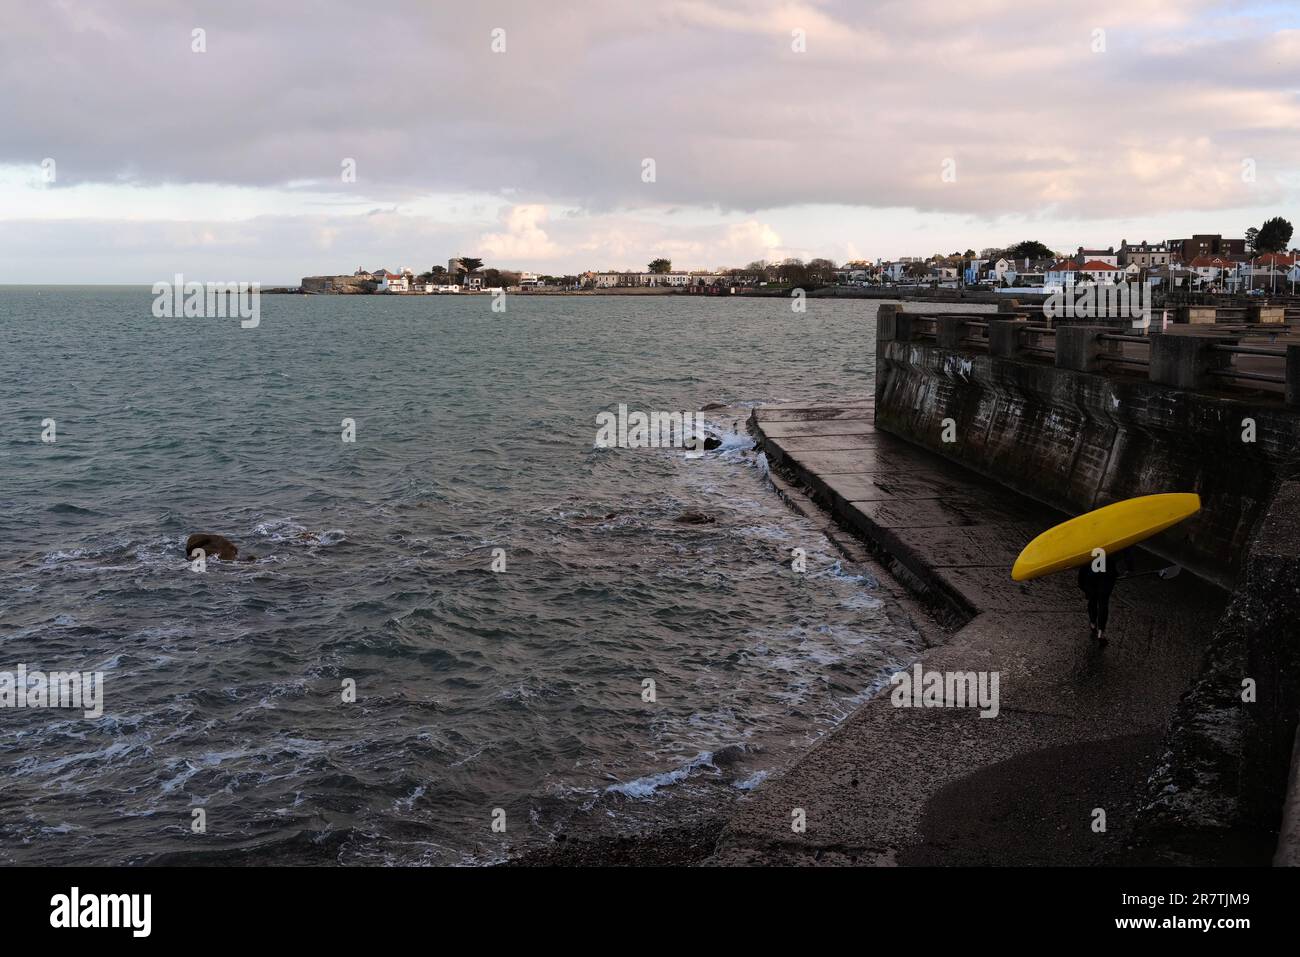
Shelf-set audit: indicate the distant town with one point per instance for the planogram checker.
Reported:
(1260, 261)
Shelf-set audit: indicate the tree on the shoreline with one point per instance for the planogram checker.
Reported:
(469, 263)
(1274, 236)
(1252, 240)
(792, 272)
(1030, 249)
(661, 266)
(821, 270)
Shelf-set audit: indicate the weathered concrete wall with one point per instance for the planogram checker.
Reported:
(1078, 441)
(1225, 772)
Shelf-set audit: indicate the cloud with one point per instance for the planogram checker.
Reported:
(523, 238)
(747, 133)
(711, 89)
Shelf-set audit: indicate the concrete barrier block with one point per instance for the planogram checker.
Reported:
(1078, 348)
(886, 328)
(1197, 315)
(1006, 337)
(1186, 362)
(1266, 314)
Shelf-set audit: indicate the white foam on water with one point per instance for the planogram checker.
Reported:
(645, 787)
(751, 782)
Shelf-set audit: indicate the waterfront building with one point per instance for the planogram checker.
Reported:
(1205, 244)
(1144, 255)
(1210, 269)
(1101, 271)
(391, 282)
(1061, 273)
(1107, 256)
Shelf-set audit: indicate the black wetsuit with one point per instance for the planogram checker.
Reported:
(1098, 586)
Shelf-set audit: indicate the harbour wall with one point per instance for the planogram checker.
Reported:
(1079, 440)
(1059, 430)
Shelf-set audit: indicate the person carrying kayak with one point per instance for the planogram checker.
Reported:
(1097, 580)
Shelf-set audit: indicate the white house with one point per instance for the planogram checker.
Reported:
(667, 279)
(998, 269)
(390, 282)
(1060, 273)
(1209, 269)
(1101, 271)
(1107, 256)
(895, 270)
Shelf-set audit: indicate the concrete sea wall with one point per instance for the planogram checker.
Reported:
(1077, 441)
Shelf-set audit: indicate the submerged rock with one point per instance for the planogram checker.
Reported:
(728, 756)
(214, 546)
(695, 518)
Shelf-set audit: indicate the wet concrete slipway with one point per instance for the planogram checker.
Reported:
(1078, 728)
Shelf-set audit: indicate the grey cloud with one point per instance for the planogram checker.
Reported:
(708, 88)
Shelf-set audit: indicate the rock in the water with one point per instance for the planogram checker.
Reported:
(711, 442)
(712, 406)
(725, 757)
(214, 546)
(695, 518)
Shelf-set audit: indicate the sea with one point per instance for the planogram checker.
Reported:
(466, 630)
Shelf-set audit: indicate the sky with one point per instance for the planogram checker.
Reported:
(238, 140)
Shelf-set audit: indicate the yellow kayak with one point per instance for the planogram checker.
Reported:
(1113, 528)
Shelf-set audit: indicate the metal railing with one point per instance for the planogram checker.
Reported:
(1271, 352)
(1140, 340)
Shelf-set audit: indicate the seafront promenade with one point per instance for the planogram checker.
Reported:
(1078, 728)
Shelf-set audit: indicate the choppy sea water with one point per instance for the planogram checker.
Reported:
(519, 690)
